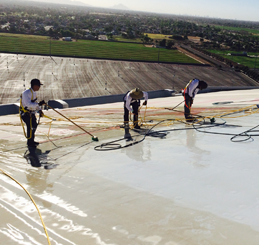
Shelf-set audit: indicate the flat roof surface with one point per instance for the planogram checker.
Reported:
(182, 184)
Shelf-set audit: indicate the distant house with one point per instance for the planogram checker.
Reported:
(47, 28)
(67, 39)
(114, 32)
(102, 37)
(89, 36)
(7, 26)
(87, 31)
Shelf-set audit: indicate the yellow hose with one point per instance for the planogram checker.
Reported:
(33, 203)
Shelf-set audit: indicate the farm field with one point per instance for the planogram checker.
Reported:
(66, 78)
(122, 39)
(158, 36)
(253, 31)
(91, 49)
(252, 60)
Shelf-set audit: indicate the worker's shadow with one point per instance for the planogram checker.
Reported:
(36, 158)
(39, 183)
(140, 152)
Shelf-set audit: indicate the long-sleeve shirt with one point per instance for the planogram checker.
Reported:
(28, 96)
(192, 89)
(129, 99)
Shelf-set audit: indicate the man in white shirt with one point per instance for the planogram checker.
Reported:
(189, 93)
(29, 106)
(132, 103)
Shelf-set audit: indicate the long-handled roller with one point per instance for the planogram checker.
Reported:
(171, 109)
(94, 138)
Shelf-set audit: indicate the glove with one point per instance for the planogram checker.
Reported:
(145, 102)
(42, 103)
(41, 113)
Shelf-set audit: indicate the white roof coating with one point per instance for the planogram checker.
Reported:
(192, 186)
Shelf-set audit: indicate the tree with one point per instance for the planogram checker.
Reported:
(110, 35)
(162, 43)
(51, 32)
(169, 44)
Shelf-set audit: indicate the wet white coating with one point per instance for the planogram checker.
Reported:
(188, 188)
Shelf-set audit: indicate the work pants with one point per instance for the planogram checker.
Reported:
(31, 123)
(135, 106)
(187, 107)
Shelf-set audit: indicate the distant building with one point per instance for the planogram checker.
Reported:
(90, 37)
(47, 28)
(87, 31)
(67, 39)
(7, 26)
(102, 37)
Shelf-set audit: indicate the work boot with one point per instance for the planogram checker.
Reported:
(128, 135)
(137, 127)
(32, 144)
(190, 120)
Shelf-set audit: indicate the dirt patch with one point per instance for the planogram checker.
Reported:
(192, 55)
(149, 46)
(196, 40)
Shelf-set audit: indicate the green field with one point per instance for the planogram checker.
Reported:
(158, 36)
(122, 39)
(251, 62)
(29, 44)
(253, 31)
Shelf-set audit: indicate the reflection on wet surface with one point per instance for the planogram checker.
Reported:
(188, 188)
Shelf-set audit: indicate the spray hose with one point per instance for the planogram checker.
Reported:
(32, 201)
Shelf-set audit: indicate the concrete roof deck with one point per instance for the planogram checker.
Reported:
(189, 187)
(66, 78)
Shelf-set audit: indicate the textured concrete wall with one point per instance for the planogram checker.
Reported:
(14, 108)
(104, 99)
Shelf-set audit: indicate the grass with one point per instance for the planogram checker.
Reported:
(122, 39)
(251, 62)
(253, 31)
(30, 44)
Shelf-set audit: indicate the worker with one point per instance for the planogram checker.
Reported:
(189, 93)
(131, 104)
(28, 107)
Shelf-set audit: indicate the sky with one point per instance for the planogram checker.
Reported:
(225, 9)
